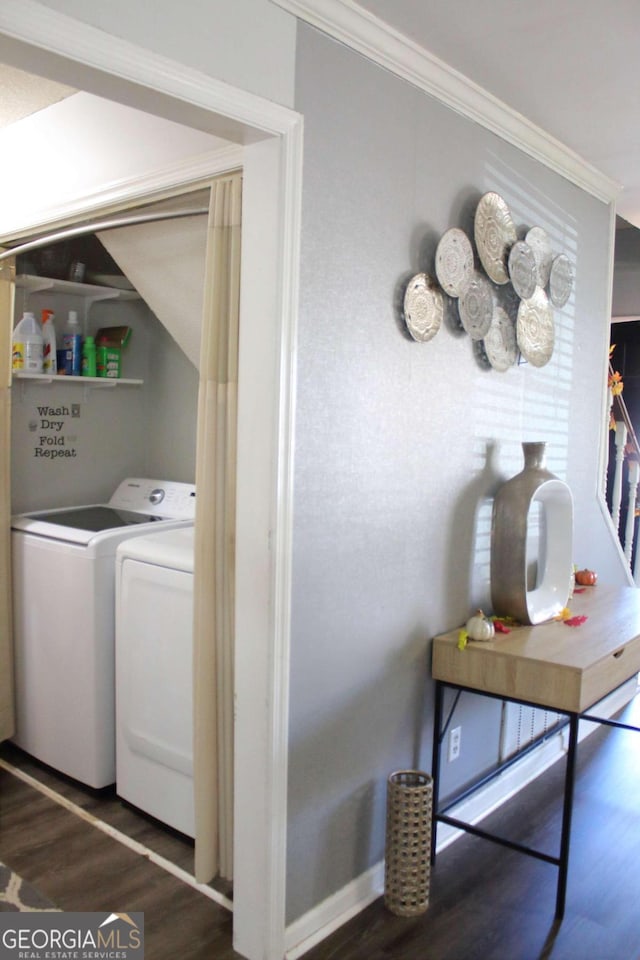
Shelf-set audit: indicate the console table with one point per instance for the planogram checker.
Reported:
(554, 666)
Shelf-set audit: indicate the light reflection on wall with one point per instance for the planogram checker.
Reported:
(525, 403)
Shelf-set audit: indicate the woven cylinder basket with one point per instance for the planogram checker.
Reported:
(407, 871)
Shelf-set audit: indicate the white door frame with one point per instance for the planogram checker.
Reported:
(33, 38)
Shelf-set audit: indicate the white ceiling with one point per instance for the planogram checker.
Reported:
(569, 66)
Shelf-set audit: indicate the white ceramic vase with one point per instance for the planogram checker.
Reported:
(532, 542)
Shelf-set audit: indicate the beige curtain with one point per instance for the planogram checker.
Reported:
(215, 537)
(7, 271)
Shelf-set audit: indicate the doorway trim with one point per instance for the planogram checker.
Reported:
(65, 49)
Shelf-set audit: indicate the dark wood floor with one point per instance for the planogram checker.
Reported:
(106, 805)
(80, 868)
(487, 903)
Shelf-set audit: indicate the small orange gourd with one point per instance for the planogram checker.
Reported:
(586, 578)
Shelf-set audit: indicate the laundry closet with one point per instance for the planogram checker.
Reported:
(126, 443)
(74, 440)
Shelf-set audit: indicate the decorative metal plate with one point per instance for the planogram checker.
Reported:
(500, 342)
(475, 307)
(423, 307)
(495, 234)
(560, 280)
(523, 269)
(541, 245)
(454, 261)
(535, 329)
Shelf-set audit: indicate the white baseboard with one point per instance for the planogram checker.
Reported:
(323, 919)
(319, 922)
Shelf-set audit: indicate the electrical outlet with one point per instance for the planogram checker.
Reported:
(455, 737)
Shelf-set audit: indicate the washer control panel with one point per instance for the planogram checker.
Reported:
(167, 499)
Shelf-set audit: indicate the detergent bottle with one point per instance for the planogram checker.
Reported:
(27, 345)
(72, 338)
(89, 357)
(49, 359)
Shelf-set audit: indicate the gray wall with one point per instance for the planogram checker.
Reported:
(123, 431)
(400, 445)
(626, 273)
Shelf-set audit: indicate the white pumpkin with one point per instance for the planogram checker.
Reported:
(480, 627)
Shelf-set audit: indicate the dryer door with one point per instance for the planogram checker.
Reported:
(154, 701)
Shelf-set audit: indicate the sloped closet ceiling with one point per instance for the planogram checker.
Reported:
(165, 262)
(24, 93)
(87, 148)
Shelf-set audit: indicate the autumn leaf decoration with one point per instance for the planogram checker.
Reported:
(615, 384)
(505, 624)
(568, 618)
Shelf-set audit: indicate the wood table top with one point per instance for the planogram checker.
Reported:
(552, 664)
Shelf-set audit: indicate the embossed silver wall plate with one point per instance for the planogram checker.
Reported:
(454, 261)
(535, 329)
(560, 280)
(500, 342)
(495, 234)
(539, 242)
(475, 306)
(523, 269)
(423, 307)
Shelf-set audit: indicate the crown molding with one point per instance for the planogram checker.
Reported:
(248, 115)
(347, 22)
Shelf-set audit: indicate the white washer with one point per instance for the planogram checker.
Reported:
(64, 621)
(154, 701)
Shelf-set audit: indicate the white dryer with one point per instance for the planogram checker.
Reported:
(64, 621)
(154, 663)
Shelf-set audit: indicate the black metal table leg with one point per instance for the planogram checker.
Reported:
(435, 763)
(562, 860)
(569, 781)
